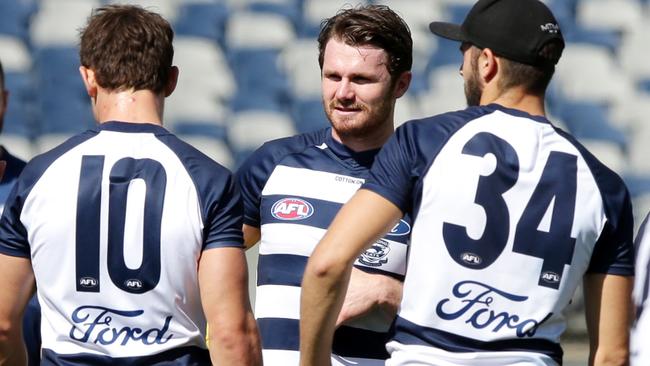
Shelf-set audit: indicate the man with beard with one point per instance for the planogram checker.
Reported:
(293, 187)
(510, 214)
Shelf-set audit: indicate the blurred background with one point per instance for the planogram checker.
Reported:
(249, 73)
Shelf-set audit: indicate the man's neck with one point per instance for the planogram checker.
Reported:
(370, 141)
(516, 98)
(142, 106)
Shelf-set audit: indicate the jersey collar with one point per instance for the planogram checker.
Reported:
(349, 156)
(119, 126)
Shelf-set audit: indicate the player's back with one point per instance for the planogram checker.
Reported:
(640, 333)
(116, 220)
(509, 214)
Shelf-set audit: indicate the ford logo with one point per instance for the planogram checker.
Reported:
(400, 229)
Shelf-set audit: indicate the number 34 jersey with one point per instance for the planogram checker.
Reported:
(509, 213)
(114, 221)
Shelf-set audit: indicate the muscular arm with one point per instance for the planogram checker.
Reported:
(252, 236)
(16, 287)
(233, 335)
(364, 219)
(608, 311)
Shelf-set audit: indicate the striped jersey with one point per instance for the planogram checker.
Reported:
(509, 213)
(640, 332)
(114, 221)
(292, 188)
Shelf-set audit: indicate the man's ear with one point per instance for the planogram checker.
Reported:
(402, 84)
(88, 77)
(488, 66)
(172, 81)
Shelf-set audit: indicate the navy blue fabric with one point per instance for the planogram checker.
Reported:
(614, 250)
(283, 334)
(412, 334)
(220, 199)
(13, 169)
(410, 151)
(13, 241)
(255, 171)
(185, 356)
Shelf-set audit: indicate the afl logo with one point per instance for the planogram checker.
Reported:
(133, 284)
(88, 282)
(292, 209)
(402, 228)
(471, 258)
(550, 277)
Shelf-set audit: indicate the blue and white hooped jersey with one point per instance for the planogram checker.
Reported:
(508, 215)
(640, 333)
(115, 220)
(292, 188)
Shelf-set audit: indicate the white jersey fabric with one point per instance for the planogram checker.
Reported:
(508, 215)
(292, 188)
(114, 221)
(640, 333)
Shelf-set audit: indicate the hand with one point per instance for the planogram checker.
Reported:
(369, 292)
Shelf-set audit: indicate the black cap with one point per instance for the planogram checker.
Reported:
(514, 29)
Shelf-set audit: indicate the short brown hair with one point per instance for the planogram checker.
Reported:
(127, 47)
(374, 25)
(534, 78)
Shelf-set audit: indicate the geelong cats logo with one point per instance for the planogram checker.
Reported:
(376, 255)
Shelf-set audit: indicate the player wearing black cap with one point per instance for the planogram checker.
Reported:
(509, 214)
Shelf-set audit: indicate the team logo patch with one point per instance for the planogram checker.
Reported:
(550, 277)
(471, 258)
(402, 228)
(292, 209)
(88, 282)
(133, 283)
(376, 255)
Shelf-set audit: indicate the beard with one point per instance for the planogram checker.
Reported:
(363, 123)
(473, 89)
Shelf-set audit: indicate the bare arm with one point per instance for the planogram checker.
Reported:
(608, 311)
(252, 235)
(364, 219)
(370, 292)
(233, 337)
(16, 288)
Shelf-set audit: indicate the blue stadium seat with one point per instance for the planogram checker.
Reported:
(206, 129)
(308, 115)
(587, 120)
(289, 9)
(206, 20)
(257, 72)
(14, 17)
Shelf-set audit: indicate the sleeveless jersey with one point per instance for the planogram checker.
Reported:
(640, 333)
(114, 221)
(292, 188)
(509, 213)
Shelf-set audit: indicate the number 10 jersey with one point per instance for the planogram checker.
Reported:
(509, 214)
(114, 221)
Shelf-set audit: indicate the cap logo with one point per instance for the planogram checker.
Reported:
(550, 28)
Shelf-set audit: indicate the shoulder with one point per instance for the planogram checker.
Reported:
(276, 149)
(271, 152)
(201, 168)
(35, 168)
